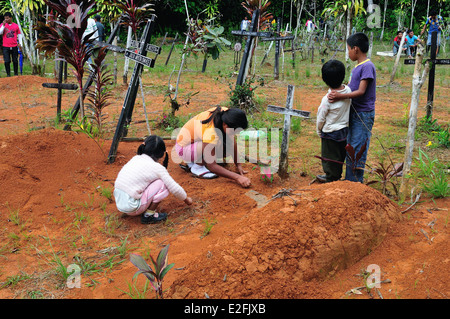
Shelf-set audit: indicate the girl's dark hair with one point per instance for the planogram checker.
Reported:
(154, 147)
(233, 118)
(359, 40)
(333, 73)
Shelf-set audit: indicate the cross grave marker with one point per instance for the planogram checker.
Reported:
(130, 98)
(431, 75)
(60, 86)
(288, 111)
(251, 36)
(277, 40)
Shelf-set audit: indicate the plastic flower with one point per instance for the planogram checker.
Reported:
(429, 143)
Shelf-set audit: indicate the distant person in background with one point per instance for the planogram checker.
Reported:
(435, 22)
(12, 42)
(411, 39)
(397, 41)
(310, 26)
(245, 24)
(100, 28)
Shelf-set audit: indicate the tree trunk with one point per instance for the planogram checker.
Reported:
(347, 32)
(417, 83)
(115, 57)
(299, 15)
(397, 59)
(384, 19)
(127, 61)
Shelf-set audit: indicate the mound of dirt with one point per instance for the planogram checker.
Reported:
(44, 162)
(287, 243)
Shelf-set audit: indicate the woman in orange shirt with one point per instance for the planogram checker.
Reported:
(208, 136)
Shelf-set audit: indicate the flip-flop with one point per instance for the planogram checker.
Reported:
(202, 174)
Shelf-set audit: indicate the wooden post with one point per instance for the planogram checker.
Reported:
(397, 59)
(418, 80)
(170, 52)
(430, 96)
(276, 71)
(288, 112)
(60, 86)
(130, 98)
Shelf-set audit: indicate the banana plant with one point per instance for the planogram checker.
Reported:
(156, 275)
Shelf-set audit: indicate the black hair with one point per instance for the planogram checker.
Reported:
(433, 12)
(97, 17)
(359, 40)
(409, 31)
(333, 73)
(398, 32)
(234, 118)
(154, 147)
(8, 14)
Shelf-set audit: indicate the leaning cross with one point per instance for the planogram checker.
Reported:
(288, 111)
(277, 40)
(130, 98)
(433, 61)
(251, 36)
(60, 86)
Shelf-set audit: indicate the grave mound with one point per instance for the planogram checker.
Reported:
(285, 244)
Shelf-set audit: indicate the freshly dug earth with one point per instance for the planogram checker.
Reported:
(276, 249)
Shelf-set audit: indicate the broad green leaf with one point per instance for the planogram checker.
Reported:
(162, 259)
(165, 270)
(139, 262)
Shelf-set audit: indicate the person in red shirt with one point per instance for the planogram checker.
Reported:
(12, 42)
(397, 41)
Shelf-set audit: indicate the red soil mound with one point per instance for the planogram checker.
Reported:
(282, 245)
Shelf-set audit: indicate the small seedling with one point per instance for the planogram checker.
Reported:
(155, 276)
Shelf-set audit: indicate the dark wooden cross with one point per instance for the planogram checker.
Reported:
(130, 98)
(251, 36)
(431, 75)
(288, 111)
(60, 86)
(277, 40)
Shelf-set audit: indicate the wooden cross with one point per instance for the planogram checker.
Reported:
(288, 111)
(251, 36)
(130, 98)
(431, 75)
(60, 86)
(277, 40)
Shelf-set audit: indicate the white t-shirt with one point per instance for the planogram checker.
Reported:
(333, 116)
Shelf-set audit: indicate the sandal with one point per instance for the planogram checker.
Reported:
(202, 172)
(151, 219)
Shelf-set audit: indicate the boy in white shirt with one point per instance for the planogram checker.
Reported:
(332, 123)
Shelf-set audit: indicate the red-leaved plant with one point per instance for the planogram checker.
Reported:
(156, 275)
(64, 32)
(99, 94)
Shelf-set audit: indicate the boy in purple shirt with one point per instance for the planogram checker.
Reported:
(362, 112)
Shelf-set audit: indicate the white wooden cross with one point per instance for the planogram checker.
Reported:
(288, 111)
